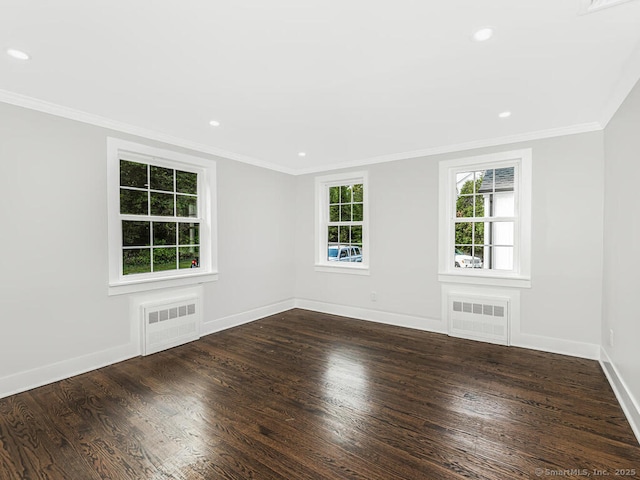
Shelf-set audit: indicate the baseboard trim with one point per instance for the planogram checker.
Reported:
(629, 404)
(379, 316)
(590, 351)
(238, 319)
(37, 377)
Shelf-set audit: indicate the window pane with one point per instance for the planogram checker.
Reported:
(502, 258)
(189, 257)
(333, 235)
(187, 206)
(480, 203)
(466, 256)
(164, 259)
(356, 235)
(161, 178)
(334, 213)
(136, 260)
(358, 192)
(133, 202)
(133, 174)
(460, 250)
(504, 204)
(479, 255)
(504, 179)
(464, 233)
(464, 183)
(136, 234)
(162, 204)
(334, 194)
(464, 206)
(164, 233)
(481, 182)
(358, 212)
(501, 233)
(345, 234)
(486, 181)
(186, 182)
(345, 213)
(478, 231)
(345, 194)
(189, 233)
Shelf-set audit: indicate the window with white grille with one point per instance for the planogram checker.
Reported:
(342, 223)
(485, 219)
(161, 215)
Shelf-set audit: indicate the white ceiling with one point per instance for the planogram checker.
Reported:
(346, 81)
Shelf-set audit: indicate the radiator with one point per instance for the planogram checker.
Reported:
(169, 323)
(478, 317)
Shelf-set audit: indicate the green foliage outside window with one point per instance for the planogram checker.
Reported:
(152, 246)
(469, 205)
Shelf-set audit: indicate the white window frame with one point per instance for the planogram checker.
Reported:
(322, 185)
(520, 276)
(118, 149)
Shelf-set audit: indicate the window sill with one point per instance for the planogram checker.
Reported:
(349, 269)
(515, 281)
(143, 285)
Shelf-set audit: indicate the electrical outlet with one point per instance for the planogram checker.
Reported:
(374, 297)
(611, 337)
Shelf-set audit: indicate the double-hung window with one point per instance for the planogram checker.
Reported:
(342, 223)
(485, 219)
(160, 216)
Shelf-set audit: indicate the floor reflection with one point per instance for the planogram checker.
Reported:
(346, 380)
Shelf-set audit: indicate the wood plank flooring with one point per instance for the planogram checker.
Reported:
(303, 395)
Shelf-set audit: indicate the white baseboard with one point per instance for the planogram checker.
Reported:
(37, 377)
(561, 346)
(397, 319)
(629, 404)
(245, 317)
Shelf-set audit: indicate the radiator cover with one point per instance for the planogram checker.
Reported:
(169, 323)
(479, 317)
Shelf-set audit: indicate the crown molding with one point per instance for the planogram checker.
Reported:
(630, 75)
(80, 116)
(461, 147)
(84, 117)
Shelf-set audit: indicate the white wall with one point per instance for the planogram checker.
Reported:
(621, 253)
(57, 319)
(56, 316)
(561, 312)
(403, 199)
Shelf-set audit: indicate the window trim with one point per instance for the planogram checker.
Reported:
(521, 274)
(322, 184)
(206, 169)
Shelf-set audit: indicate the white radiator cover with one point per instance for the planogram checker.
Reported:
(479, 317)
(170, 322)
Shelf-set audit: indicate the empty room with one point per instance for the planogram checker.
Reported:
(302, 239)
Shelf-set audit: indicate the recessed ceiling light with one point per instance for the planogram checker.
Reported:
(483, 34)
(302, 154)
(504, 114)
(214, 123)
(19, 54)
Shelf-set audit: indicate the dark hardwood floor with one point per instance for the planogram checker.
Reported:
(303, 395)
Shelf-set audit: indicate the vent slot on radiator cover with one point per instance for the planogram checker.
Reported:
(479, 318)
(170, 323)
